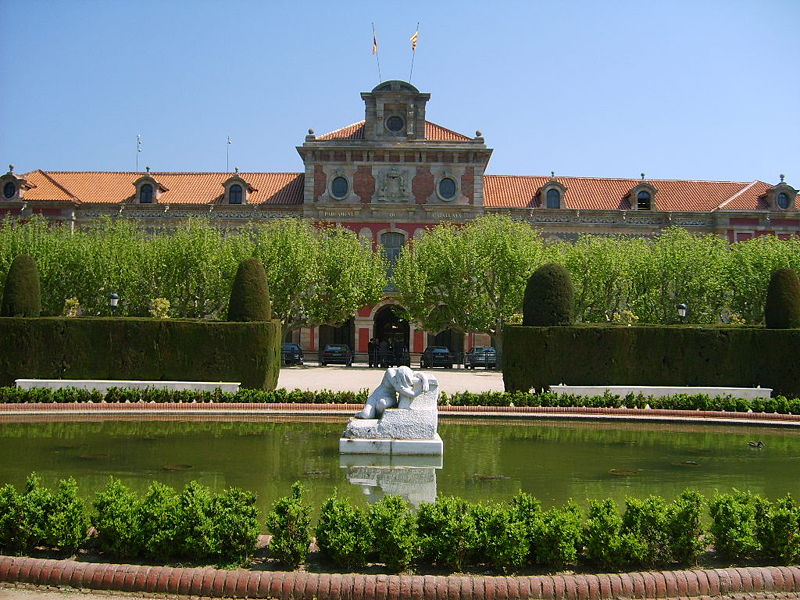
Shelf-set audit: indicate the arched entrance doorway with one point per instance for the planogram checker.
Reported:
(390, 327)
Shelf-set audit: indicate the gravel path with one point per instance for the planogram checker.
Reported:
(340, 379)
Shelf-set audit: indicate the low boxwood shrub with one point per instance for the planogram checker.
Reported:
(394, 531)
(778, 530)
(289, 522)
(116, 520)
(645, 523)
(235, 526)
(502, 539)
(684, 527)
(344, 534)
(558, 539)
(68, 519)
(605, 543)
(733, 527)
(448, 532)
(159, 522)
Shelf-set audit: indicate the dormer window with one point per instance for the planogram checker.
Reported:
(148, 190)
(13, 187)
(643, 196)
(237, 190)
(781, 197)
(146, 194)
(552, 194)
(235, 194)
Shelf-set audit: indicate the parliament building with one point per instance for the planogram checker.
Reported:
(391, 176)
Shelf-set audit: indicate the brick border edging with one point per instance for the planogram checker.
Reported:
(205, 581)
(283, 408)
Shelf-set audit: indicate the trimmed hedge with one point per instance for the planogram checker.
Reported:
(549, 297)
(782, 307)
(22, 296)
(249, 293)
(199, 525)
(147, 349)
(703, 402)
(537, 357)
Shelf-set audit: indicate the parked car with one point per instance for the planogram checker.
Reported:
(481, 356)
(292, 354)
(339, 354)
(437, 356)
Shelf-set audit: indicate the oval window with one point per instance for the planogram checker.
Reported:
(9, 190)
(339, 187)
(783, 200)
(447, 188)
(394, 123)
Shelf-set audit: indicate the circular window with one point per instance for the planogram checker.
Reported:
(339, 187)
(447, 188)
(9, 190)
(395, 123)
(783, 200)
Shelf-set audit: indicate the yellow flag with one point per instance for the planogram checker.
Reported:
(414, 39)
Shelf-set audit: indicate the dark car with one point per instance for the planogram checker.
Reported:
(292, 354)
(481, 356)
(437, 356)
(339, 354)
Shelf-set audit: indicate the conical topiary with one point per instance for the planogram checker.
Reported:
(22, 295)
(782, 308)
(549, 297)
(249, 293)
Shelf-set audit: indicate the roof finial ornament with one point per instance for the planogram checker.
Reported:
(478, 133)
(236, 170)
(11, 170)
(310, 131)
(147, 169)
(552, 174)
(642, 176)
(782, 176)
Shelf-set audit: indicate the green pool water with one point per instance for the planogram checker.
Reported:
(484, 459)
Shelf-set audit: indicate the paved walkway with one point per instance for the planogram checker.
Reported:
(342, 379)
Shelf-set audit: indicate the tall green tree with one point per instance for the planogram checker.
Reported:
(469, 278)
(317, 276)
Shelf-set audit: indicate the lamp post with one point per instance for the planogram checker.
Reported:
(682, 312)
(113, 300)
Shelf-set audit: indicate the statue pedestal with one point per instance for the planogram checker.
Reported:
(409, 429)
(429, 447)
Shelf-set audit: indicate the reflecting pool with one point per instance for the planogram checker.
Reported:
(484, 459)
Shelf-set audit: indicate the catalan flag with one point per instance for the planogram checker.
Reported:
(414, 39)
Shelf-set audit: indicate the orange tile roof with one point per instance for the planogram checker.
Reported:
(271, 189)
(590, 193)
(433, 132)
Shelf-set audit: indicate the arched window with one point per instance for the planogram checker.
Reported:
(235, 194)
(781, 199)
(447, 188)
(553, 198)
(339, 187)
(10, 189)
(392, 242)
(643, 200)
(146, 194)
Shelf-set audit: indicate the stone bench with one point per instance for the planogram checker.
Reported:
(658, 391)
(103, 385)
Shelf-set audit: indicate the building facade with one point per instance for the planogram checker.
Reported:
(393, 175)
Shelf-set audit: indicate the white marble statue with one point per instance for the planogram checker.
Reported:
(400, 417)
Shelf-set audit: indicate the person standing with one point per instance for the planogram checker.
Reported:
(372, 353)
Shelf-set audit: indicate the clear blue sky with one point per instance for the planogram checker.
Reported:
(678, 89)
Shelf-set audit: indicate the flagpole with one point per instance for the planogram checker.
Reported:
(227, 155)
(138, 149)
(375, 52)
(413, 51)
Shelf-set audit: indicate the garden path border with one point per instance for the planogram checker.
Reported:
(8, 411)
(217, 583)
